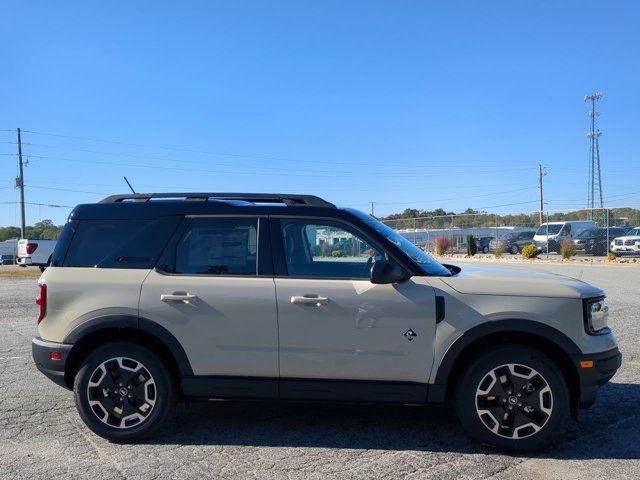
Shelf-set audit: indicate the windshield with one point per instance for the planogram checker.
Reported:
(592, 232)
(554, 229)
(423, 259)
(634, 232)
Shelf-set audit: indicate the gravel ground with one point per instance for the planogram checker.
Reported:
(41, 435)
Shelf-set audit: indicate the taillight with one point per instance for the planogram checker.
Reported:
(31, 247)
(41, 301)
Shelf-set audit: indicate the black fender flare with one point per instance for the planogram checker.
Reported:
(108, 322)
(498, 326)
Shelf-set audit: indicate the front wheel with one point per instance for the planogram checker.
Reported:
(514, 399)
(515, 250)
(124, 392)
(485, 249)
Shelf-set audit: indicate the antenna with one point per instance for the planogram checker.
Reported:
(132, 190)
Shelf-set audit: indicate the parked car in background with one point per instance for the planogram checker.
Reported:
(628, 244)
(483, 244)
(514, 242)
(594, 241)
(549, 236)
(35, 252)
(7, 259)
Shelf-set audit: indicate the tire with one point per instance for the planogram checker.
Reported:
(515, 250)
(535, 418)
(143, 405)
(485, 249)
(598, 251)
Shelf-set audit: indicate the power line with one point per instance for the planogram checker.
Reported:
(37, 204)
(147, 157)
(449, 199)
(191, 187)
(310, 174)
(205, 152)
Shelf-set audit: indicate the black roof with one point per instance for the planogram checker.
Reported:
(152, 205)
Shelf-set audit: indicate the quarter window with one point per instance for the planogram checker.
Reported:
(326, 249)
(218, 246)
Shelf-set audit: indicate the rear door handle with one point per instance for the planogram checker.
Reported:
(310, 300)
(177, 297)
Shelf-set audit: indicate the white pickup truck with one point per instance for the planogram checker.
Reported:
(35, 252)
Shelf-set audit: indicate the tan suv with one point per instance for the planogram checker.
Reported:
(155, 298)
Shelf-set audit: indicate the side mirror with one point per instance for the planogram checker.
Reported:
(385, 272)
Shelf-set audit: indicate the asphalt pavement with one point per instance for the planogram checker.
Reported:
(42, 437)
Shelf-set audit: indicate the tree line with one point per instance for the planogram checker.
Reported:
(43, 230)
(470, 218)
(410, 218)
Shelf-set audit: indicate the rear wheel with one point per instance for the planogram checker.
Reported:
(514, 399)
(514, 249)
(485, 249)
(124, 392)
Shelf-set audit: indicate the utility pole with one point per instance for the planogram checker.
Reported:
(20, 185)
(541, 173)
(372, 204)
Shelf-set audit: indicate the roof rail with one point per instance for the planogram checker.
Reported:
(289, 200)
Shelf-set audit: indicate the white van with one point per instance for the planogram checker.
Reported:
(553, 233)
(35, 252)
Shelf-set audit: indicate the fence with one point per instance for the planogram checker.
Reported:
(424, 230)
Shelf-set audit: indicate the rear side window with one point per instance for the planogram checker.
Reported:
(218, 246)
(119, 243)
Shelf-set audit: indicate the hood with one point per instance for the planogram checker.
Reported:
(628, 237)
(520, 283)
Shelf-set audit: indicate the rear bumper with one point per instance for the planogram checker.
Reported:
(53, 369)
(605, 366)
(24, 261)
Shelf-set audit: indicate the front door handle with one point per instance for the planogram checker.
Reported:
(310, 300)
(177, 297)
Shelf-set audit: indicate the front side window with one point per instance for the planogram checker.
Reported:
(328, 249)
(218, 246)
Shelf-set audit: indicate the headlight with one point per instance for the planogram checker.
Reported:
(596, 316)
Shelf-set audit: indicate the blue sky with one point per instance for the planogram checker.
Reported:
(408, 104)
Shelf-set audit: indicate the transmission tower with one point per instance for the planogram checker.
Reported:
(595, 179)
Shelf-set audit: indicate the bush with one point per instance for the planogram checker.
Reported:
(498, 251)
(472, 246)
(611, 257)
(336, 253)
(530, 251)
(442, 244)
(567, 249)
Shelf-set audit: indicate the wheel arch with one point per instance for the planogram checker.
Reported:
(550, 341)
(100, 330)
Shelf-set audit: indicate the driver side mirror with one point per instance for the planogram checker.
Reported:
(385, 272)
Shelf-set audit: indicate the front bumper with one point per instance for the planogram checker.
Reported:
(42, 356)
(605, 364)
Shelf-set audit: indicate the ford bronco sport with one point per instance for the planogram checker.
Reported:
(151, 299)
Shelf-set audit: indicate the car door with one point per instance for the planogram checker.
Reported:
(214, 292)
(336, 326)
